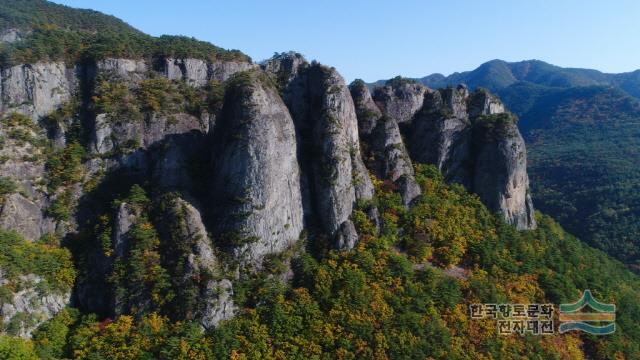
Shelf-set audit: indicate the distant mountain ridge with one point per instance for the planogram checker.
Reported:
(498, 74)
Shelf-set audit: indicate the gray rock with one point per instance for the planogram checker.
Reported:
(219, 305)
(486, 155)
(501, 178)
(30, 300)
(338, 169)
(124, 69)
(24, 211)
(400, 101)
(223, 70)
(386, 154)
(367, 111)
(285, 66)
(215, 299)
(481, 102)
(172, 162)
(10, 36)
(37, 89)
(194, 71)
(256, 178)
(111, 134)
(25, 217)
(441, 135)
(124, 219)
(347, 236)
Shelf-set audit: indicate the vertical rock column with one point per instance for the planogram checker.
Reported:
(257, 179)
(386, 154)
(339, 175)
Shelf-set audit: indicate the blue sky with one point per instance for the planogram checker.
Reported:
(380, 39)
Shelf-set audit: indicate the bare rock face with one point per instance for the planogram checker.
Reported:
(30, 306)
(23, 165)
(10, 36)
(223, 70)
(111, 134)
(501, 178)
(400, 99)
(35, 90)
(117, 133)
(257, 178)
(172, 161)
(125, 69)
(441, 133)
(285, 66)
(194, 71)
(471, 139)
(26, 217)
(386, 155)
(367, 111)
(484, 103)
(334, 176)
(339, 177)
(124, 219)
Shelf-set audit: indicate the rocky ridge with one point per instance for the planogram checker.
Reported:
(285, 155)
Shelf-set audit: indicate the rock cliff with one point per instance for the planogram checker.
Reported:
(240, 161)
(256, 178)
(469, 137)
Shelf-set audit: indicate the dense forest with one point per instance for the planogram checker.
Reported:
(53, 32)
(584, 163)
(403, 294)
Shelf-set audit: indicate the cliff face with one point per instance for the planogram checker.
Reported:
(469, 137)
(239, 161)
(256, 178)
(386, 155)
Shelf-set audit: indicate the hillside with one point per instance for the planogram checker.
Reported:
(162, 198)
(25, 15)
(382, 299)
(584, 163)
(52, 32)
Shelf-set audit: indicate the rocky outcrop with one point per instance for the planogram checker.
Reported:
(338, 175)
(223, 70)
(482, 102)
(30, 306)
(441, 133)
(256, 178)
(400, 99)
(471, 139)
(500, 172)
(37, 89)
(385, 155)
(9, 36)
(185, 230)
(25, 216)
(176, 161)
(125, 217)
(22, 153)
(367, 111)
(194, 71)
(126, 134)
(285, 66)
(124, 69)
